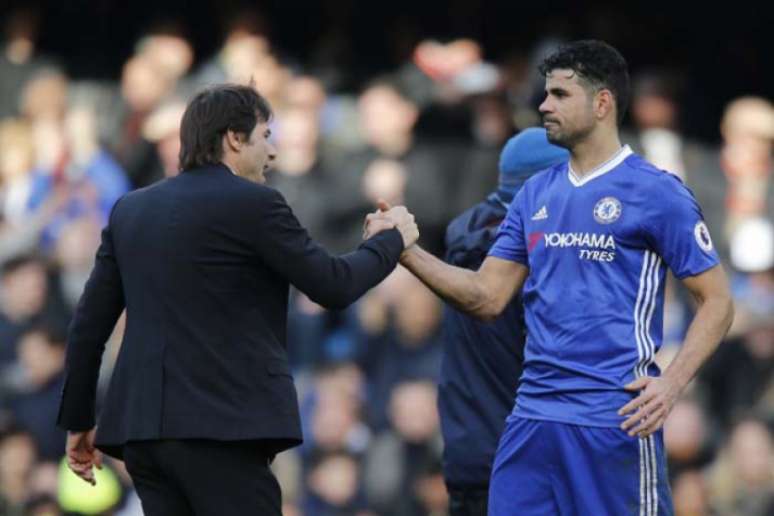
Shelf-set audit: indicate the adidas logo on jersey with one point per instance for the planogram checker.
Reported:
(541, 214)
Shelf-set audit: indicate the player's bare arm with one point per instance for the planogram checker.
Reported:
(713, 318)
(483, 293)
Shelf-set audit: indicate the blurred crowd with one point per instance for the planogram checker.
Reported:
(427, 135)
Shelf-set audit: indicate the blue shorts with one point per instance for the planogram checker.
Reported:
(549, 468)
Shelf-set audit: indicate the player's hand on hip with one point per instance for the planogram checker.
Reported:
(82, 456)
(648, 411)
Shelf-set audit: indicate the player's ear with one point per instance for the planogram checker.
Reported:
(604, 103)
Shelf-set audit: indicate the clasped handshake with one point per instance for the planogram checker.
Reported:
(387, 217)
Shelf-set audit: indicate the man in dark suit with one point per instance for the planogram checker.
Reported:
(201, 397)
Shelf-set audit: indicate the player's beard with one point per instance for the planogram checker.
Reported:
(569, 138)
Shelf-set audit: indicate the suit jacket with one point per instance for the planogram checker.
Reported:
(203, 262)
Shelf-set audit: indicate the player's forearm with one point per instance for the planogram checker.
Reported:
(455, 285)
(709, 326)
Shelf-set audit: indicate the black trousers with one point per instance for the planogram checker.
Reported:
(203, 478)
(470, 501)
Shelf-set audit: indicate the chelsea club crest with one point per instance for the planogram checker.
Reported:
(607, 210)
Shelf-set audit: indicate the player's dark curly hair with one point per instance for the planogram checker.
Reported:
(598, 66)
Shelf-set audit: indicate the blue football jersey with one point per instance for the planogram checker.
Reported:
(597, 249)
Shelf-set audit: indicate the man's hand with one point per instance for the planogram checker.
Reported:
(375, 223)
(82, 455)
(398, 216)
(653, 405)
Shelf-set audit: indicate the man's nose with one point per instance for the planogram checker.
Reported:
(545, 107)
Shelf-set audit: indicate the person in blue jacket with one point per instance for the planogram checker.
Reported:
(482, 362)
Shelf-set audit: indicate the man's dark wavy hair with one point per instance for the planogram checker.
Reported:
(598, 66)
(210, 114)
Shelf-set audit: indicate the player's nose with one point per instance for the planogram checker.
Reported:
(545, 107)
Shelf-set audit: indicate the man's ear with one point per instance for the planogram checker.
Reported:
(604, 103)
(232, 140)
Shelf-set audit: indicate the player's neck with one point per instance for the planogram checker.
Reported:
(589, 154)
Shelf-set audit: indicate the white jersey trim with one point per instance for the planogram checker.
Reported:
(623, 153)
(647, 295)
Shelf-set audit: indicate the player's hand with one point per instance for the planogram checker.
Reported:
(648, 411)
(82, 456)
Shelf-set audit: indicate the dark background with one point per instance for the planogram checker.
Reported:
(721, 52)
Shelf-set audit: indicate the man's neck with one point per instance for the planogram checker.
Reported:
(589, 154)
(230, 166)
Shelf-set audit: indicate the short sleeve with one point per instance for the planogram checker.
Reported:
(509, 243)
(676, 230)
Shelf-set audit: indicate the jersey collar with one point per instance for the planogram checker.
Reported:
(623, 153)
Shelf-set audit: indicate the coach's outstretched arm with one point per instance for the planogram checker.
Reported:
(713, 318)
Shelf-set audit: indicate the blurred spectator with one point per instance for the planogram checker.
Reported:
(690, 494)
(246, 55)
(687, 437)
(44, 97)
(42, 505)
(18, 59)
(19, 229)
(740, 375)
(407, 343)
(748, 135)
(74, 256)
(17, 460)
(162, 128)
(334, 487)
(305, 92)
(335, 419)
(143, 87)
(44, 106)
(17, 159)
(41, 356)
(655, 113)
(752, 256)
(26, 299)
(403, 465)
(300, 172)
(88, 173)
(491, 128)
(456, 68)
(743, 480)
(166, 46)
(385, 179)
(308, 326)
(387, 118)
(44, 480)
